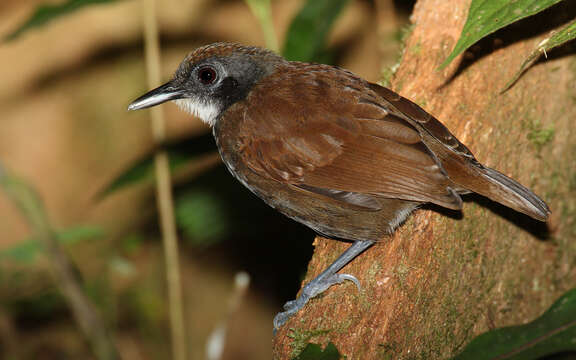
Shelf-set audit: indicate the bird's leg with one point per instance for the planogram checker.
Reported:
(322, 282)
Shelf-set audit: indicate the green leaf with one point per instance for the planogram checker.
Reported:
(25, 252)
(46, 13)
(75, 234)
(315, 352)
(181, 155)
(552, 333)
(201, 216)
(556, 39)
(143, 172)
(307, 34)
(28, 250)
(261, 9)
(488, 16)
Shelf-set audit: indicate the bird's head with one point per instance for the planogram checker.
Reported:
(212, 78)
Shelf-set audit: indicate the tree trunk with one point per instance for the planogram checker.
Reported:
(445, 277)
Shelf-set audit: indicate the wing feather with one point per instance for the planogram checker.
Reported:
(323, 134)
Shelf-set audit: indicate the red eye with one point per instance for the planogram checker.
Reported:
(207, 75)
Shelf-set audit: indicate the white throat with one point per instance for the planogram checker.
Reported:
(207, 112)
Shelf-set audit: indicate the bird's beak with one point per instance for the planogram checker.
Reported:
(157, 96)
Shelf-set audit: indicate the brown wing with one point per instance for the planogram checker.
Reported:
(420, 119)
(459, 163)
(321, 132)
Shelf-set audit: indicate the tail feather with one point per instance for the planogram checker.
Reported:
(514, 195)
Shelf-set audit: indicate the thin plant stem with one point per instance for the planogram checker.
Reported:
(164, 191)
(63, 270)
(262, 12)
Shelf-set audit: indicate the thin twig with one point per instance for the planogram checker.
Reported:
(65, 273)
(164, 190)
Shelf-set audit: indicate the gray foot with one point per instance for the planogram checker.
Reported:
(312, 289)
(319, 284)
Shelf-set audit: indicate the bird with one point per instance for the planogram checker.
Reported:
(348, 158)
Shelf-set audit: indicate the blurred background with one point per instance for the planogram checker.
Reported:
(64, 129)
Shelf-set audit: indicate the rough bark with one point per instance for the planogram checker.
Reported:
(444, 278)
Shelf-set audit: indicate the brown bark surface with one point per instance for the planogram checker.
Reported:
(444, 278)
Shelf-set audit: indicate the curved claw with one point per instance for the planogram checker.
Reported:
(350, 277)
